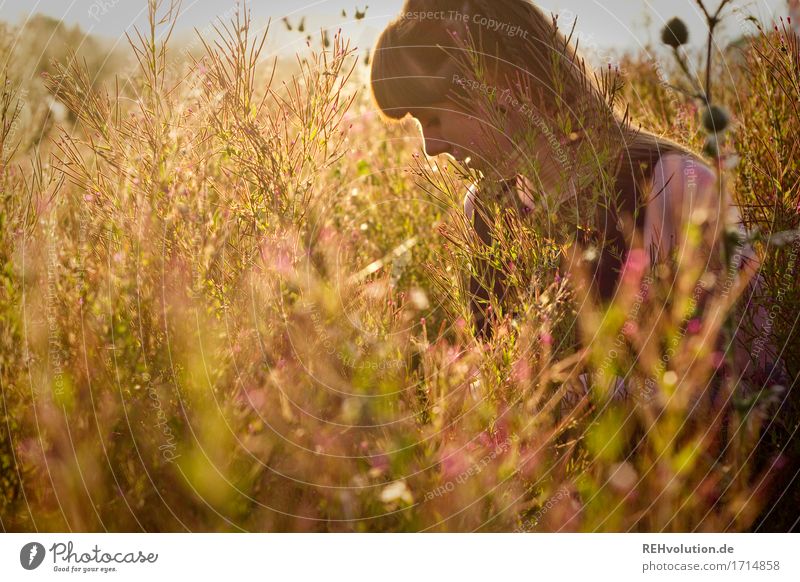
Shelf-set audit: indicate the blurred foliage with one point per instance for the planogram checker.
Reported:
(35, 48)
(229, 304)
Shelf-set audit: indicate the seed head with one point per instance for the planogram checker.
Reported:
(675, 33)
(715, 119)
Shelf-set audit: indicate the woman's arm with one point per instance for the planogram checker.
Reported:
(479, 299)
(489, 282)
(686, 189)
(683, 189)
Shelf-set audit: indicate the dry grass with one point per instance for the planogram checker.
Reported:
(228, 305)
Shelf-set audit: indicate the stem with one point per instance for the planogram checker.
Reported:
(708, 63)
(685, 68)
(728, 331)
(712, 21)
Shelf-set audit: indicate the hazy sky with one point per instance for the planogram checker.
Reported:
(601, 23)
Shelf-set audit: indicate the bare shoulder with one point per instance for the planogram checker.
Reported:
(684, 173)
(682, 185)
(686, 184)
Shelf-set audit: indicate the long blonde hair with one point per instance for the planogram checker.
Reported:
(420, 52)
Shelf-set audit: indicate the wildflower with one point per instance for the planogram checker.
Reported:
(521, 371)
(623, 477)
(282, 262)
(635, 263)
(397, 491)
(419, 299)
(630, 328)
(453, 462)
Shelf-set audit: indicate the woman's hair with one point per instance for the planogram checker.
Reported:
(433, 49)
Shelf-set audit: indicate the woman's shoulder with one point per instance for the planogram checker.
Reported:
(679, 173)
(683, 188)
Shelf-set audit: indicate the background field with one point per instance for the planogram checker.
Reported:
(231, 298)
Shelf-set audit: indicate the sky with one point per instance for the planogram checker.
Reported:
(601, 24)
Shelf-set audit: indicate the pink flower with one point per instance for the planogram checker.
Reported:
(499, 440)
(255, 397)
(630, 328)
(546, 339)
(283, 262)
(485, 439)
(521, 371)
(635, 264)
(694, 326)
(453, 462)
(379, 462)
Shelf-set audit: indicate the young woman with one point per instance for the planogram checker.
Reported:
(499, 88)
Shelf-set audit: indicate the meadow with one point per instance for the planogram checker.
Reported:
(232, 298)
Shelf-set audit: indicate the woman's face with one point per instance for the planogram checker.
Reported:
(473, 142)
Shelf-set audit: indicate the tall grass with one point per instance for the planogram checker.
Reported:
(228, 305)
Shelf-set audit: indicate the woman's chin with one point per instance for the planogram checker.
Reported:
(475, 164)
(497, 172)
(494, 171)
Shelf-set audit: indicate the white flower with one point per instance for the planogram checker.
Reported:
(397, 490)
